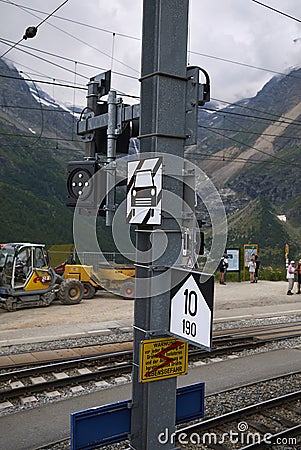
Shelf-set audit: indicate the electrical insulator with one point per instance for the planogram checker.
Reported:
(30, 32)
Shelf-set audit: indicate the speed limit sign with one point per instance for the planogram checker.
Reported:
(191, 308)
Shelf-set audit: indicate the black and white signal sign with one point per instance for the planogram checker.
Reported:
(191, 309)
(144, 191)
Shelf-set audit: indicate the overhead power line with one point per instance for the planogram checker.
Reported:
(53, 12)
(248, 116)
(291, 163)
(243, 64)
(87, 25)
(84, 42)
(238, 159)
(253, 132)
(237, 105)
(20, 48)
(31, 136)
(139, 39)
(36, 27)
(277, 11)
(276, 121)
(53, 83)
(47, 61)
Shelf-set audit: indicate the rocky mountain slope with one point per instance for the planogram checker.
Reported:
(249, 149)
(36, 139)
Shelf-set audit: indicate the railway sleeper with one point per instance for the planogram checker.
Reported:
(260, 427)
(279, 418)
(218, 447)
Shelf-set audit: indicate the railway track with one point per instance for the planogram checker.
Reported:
(107, 367)
(275, 422)
(252, 335)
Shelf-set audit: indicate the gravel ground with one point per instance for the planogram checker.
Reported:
(119, 336)
(115, 336)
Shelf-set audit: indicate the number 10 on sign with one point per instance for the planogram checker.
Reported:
(191, 305)
(191, 310)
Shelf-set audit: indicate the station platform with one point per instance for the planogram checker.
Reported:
(105, 312)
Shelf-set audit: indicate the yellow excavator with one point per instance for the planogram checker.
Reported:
(27, 280)
(116, 278)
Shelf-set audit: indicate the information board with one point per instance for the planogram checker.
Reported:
(163, 358)
(249, 250)
(233, 259)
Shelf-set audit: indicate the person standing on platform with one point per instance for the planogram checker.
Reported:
(223, 265)
(290, 275)
(257, 264)
(252, 266)
(298, 271)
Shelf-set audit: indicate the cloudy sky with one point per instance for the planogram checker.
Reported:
(220, 31)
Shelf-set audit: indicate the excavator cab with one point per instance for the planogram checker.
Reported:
(24, 267)
(27, 280)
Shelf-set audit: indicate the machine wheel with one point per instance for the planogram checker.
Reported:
(89, 290)
(127, 290)
(11, 304)
(70, 292)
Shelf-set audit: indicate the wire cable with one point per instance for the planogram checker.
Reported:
(242, 64)
(248, 116)
(7, 42)
(253, 132)
(74, 21)
(277, 11)
(44, 82)
(42, 114)
(255, 148)
(27, 136)
(44, 20)
(254, 109)
(264, 136)
(51, 14)
(50, 62)
(84, 42)
(238, 159)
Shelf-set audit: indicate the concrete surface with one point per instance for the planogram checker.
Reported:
(235, 300)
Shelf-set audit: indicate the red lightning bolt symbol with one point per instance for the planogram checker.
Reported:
(166, 359)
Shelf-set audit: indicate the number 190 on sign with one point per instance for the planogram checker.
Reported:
(190, 312)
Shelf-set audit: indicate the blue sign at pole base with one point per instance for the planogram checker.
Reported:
(95, 427)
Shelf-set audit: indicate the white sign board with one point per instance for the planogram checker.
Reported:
(233, 259)
(191, 309)
(144, 191)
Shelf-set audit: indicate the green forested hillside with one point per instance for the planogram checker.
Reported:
(257, 224)
(33, 160)
(28, 218)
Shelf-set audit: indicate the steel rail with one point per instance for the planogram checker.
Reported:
(64, 365)
(235, 335)
(241, 413)
(86, 361)
(125, 367)
(70, 380)
(288, 433)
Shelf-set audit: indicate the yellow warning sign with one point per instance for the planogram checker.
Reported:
(163, 358)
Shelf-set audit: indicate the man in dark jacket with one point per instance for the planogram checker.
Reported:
(223, 265)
